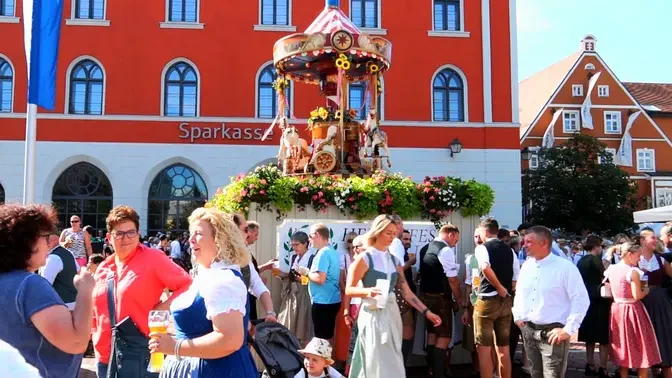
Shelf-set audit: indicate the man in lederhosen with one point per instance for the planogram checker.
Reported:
(438, 283)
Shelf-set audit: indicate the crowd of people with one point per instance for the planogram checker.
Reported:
(353, 314)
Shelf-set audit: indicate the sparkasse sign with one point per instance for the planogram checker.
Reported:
(222, 132)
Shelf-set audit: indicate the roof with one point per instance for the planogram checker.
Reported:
(652, 96)
(331, 20)
(536, 90)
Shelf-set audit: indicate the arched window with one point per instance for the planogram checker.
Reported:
(83, 190)
(173, 195)
(267, 100)
(357, 93)
(448, 96)
(6, 86)
(2, 195)
(86, 88)
(181, 91)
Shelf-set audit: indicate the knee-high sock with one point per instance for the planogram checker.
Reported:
(438, 363)
(430, 356)
(406, 348)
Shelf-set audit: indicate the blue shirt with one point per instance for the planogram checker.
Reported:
(326, 261)
(22, 294)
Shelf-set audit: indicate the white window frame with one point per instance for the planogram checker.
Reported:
(256, 92)
(290, 27)
(602, 91)
(11, 66)
(612, 151)
(534, 161)
(85, 21)
(11, 19)
(373, 31)
(465, 84)
(589, 66)
(68, 73)
(163, 86)
(577, 90)
(652, 153)
(620, 122)
(578, 120)
(179, 24)
(462, 33)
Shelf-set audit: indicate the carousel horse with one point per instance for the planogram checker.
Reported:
(293, 149)
(375, 140)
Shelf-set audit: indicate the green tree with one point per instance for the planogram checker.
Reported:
(570, 191)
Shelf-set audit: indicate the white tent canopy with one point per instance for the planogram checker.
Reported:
(658, 214)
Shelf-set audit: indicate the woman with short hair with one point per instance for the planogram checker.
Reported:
(138, 275)
(35, 321)
(210, 318)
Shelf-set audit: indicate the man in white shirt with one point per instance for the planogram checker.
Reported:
(550, 304)
(60, 270)
(397, 247)
(439, 281)
(498, 266)
(666, 237)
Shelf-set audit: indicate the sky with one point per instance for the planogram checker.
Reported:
(634, 38)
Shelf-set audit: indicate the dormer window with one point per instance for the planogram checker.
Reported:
(588, 43)
(590, 67)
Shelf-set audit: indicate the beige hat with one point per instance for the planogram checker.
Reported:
(319, 347)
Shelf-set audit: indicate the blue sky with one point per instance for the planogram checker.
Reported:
(633, 37)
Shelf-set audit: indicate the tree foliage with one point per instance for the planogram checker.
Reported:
(571, 191)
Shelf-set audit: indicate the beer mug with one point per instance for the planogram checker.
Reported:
(304, 280)
(475, 278)
(276, 269)
(158, 322)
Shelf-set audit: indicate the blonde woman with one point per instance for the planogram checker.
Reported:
(210, 318)
(379, 323)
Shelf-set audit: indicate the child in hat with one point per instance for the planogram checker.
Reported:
(318, 360)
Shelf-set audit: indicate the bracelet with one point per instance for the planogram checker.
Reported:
(271, 312)
(425, 311)
(176, 351)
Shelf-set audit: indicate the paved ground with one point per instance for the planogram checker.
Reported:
(577, 362)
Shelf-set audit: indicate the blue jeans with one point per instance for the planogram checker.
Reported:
(101, 369)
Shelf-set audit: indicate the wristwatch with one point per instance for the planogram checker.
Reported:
(272, 313)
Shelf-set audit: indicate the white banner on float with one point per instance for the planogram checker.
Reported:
(421, 234)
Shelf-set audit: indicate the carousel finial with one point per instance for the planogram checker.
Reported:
(333, 4)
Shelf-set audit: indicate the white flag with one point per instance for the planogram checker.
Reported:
(549, 138)
(586, 117)
(624, 155)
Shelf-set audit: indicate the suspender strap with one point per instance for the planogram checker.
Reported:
(110, 301)
(310, 260)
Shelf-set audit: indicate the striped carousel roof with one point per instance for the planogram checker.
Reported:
(331, 20)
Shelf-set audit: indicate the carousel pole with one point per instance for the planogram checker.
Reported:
(341, 122)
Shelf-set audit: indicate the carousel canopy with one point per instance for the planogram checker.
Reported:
(313, 56)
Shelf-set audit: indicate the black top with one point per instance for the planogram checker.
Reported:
(63, 284)
(408, 274)
(432, 277)
(501, 262)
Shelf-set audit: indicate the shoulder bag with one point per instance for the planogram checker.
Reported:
(605, 289)
(130, 347)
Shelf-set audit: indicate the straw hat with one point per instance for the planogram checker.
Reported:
(319, 347)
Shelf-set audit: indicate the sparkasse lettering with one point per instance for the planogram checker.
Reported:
(195, 133)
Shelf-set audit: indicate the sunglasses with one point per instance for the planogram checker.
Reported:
(74, 221)
(349, 241)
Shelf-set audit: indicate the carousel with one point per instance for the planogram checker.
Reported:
(331, 54)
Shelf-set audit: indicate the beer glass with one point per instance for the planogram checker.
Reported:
(276, 269)
(158, 322)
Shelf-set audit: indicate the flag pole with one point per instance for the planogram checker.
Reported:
(29, 158)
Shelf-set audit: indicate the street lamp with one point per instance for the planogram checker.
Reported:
(526, 154)
(455, 147)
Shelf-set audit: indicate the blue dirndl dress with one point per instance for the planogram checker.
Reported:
(191, 322)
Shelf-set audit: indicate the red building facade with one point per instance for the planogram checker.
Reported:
(146, 86)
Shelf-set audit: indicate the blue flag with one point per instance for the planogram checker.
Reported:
(42, 29)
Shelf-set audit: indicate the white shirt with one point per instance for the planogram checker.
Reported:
(468, 274)
(551, 290)
(577, 256)
(52, 268)
(12, 363)
(333, 373)
(397, 250)
(481, 254)
(175, 249)
(447, 258)
(649, 265)
(257, 287)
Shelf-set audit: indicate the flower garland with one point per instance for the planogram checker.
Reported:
(362, 198)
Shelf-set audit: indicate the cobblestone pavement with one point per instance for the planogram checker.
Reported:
(577, 362)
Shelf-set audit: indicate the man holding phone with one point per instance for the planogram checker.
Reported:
(492, 311)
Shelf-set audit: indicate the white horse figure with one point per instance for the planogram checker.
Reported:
(292, 148)
(375, 140)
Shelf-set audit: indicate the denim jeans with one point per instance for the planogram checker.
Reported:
(101, 369)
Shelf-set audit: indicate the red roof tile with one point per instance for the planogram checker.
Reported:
(658, 95)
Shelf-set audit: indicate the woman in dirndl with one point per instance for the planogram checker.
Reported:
(343, 331)
(295, 311)
(377, 351)
(658, 303)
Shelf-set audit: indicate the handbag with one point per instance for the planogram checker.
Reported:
(605, 289)
(130, 347)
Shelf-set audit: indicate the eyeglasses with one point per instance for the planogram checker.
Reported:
(294, 245)
(46, 237)
(349, 241)
(74, 221)
(118, 235)
(357, 246)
